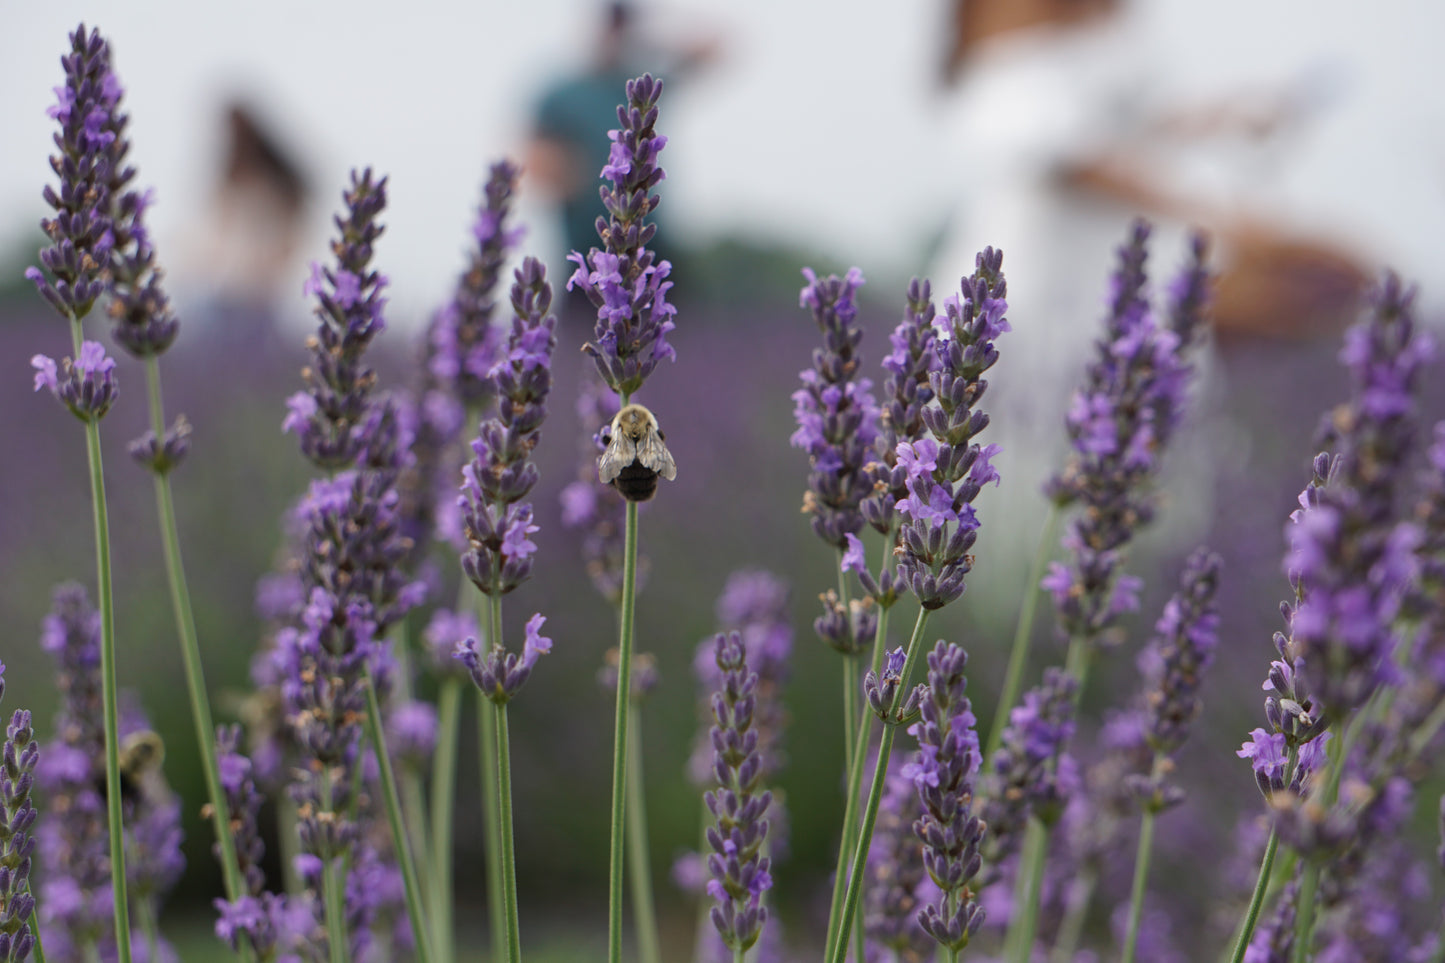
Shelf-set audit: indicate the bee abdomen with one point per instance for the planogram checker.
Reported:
(636, 482)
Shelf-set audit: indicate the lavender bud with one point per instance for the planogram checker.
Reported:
(86, 385)
(168, 453)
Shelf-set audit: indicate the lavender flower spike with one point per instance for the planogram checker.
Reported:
(623, 278)
(330, 416)
(86, 385)
(1031, 775)
(740, 871)
(90, 164)
(948, 758)
(498, 523)
(17, 817)
(946, 471)
(835, 410)
(1118, 425)
(464, 343)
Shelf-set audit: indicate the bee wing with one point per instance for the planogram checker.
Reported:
(619, 454)
(652, 453)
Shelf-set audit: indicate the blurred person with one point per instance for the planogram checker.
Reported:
(568, 142)
(246, 259)
(1059, 142)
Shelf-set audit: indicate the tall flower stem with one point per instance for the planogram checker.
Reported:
(399, 838)
(1304, 930)
(504, 825)
(1261, 885)
(639, 857)
(619, 741)
(1141, 876)
(333, 882)
(107, 673)
(838, 928)
(443, 793)
(191, 650)
(1072, 926)
(37, 951)
(487, 739)
(1027, 889)
(496, 908)
(1023, 633)
(506, 856)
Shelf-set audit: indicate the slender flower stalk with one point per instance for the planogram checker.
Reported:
(89, 162)
(1174, 664)
(498, 526)
(628, 284)
(145, 327)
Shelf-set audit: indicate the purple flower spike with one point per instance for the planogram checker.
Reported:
(90, 164)
(1030, 772)
(836, 414)
(740, 872)
(332, 424)
(498, 525)
(951, 832)
(139, 309)
(500, 674)
(623, 278)
(1351, 558)
(87, 385)
(17, 843)
(944, 473)
(464, 344)
(1119, 423)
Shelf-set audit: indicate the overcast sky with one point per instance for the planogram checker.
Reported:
(797, 134)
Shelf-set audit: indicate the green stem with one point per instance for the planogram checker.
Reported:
(1141, 875)
(851, 691)
(443, 792)
(509, 854)
(191, 651)
(496, 906)
(413, 799)
(1072, 926)
(146, 913)
(491, 616)
(1023, 634)
(399, 839)
(1027, 890)
(38, 951)
(850, 822)
(1304, 930)
(289, 839)
(1256, 900)
(333, 881)
(875, 796)
(638, 855)
(619, 739)
(110, 712)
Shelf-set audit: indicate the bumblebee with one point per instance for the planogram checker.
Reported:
(635, 454)
(141, 755)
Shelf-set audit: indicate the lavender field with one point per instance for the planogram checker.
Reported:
(1171, 690)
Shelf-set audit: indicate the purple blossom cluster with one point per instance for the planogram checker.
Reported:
(463, 343)
(946, 472)
(739, 869)
(86, 385)
(835, 410)
(624, 278)
(1032, 775)
(498, 524)
(906, 393)
(1119, 423)
(17, 842)
(89, 163)
(331, 417)
(1351, 556)
(950, 830)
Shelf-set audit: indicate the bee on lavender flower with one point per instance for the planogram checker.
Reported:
(141, 756)
(635, 454)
